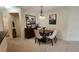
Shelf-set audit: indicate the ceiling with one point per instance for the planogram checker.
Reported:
(38, 8)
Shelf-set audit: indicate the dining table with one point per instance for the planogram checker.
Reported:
(44, 33)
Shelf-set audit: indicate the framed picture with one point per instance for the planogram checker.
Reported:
(30, 21)
(52, 19)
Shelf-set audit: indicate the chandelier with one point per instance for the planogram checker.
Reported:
(41, 13)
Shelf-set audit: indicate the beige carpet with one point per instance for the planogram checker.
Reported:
(28, 45)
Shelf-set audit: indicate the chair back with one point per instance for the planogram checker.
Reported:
(54, 34)
(37, 34)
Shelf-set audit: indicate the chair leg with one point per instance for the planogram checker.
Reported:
(52, 42)
(39, 41)
(35, 40)
(55, 40)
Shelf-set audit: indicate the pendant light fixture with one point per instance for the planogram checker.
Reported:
(41, 13)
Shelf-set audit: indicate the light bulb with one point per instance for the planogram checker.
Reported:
(42, 17)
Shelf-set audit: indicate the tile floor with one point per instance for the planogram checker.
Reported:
(28, 45)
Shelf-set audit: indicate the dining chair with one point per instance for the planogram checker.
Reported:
(37, 36)
(53, 37)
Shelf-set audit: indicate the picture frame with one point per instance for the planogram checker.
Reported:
(52, 19)
(30, 21)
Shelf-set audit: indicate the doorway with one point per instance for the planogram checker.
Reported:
(15, 25)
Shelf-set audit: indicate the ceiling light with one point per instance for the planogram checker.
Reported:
(41, 14)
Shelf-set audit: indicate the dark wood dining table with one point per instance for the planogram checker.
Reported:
(45, 33)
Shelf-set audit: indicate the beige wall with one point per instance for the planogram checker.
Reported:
(73, 24)
(7, 21)
(1, 20)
